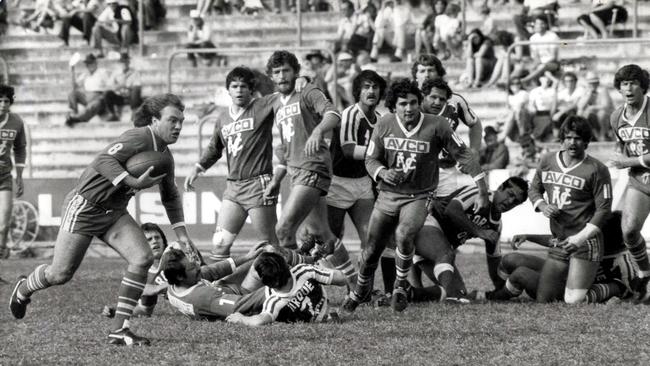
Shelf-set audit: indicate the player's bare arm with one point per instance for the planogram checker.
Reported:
(543, 240)
(251, 321)
(329, 122)
(144, 181)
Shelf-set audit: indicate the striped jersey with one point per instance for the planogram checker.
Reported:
(583, 193)
(355, 129)
(247, 139)
(296, 116)
(101, 183)
(12, 137)
(452, 116)
(633, 135)
(307, 299)
(462, 109)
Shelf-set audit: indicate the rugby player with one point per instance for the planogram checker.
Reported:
(403, 158)
(12, 138)
(245, 133)
(96, 207)
(631, 124)
(579, 200)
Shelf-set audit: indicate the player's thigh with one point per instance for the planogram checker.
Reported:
(316, 220)
(581, 273)
(231, 217)
(360, 215)
(126, 237)
(69, 251)
(512, 261)
(411, 219)
(264, 220)
(432, 244)
(526, 279)
(6, 202)
(552, 280)
(637, 208)
(336, 218)
(298, 205)
(380, 229)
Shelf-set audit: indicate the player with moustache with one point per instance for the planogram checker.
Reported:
(96, 207)
(578, 201)
(12, 138)
(351, 190)
(403, 158)
(631, 124)
(245, 134)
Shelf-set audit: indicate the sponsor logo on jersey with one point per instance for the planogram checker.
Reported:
(237, 127)
(634, 133)
(563, 179)
(288, 111)
(406, 164)
(7, 135)
(561, 198)
(408, 145)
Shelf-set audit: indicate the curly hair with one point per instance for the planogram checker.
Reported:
(279, 58)
(429, 84)
(632, 72)
(579, 125)
(370, 76)
(153, 106)
(243, 74)
(7, 91)
(272, 269)
(428, 60)
(401, 89)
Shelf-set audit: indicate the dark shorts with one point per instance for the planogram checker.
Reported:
(302, 177)
(391, 203)
(542, 127)
(640, 183)
(618, 268)
(83, 217)
(6, 182)
(592, 251)
(606, 16)
(249, 193)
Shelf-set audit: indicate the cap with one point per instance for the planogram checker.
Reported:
(591, 77)
(344, 56)
(194, 13)
(315, 53)
(90, 58)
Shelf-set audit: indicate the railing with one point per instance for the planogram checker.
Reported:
(5, 70)
(28, 139)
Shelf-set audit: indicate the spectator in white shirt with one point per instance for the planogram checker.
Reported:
(82, 15)
(199, 35)
(517, 120)
(126, 87)
(566, 102)
(89, 89)
(448, 38)
(530, 11)
(117, 25)
(354, 29)
(596, 105)
(540, 103)
(545, 56)
(384, 29)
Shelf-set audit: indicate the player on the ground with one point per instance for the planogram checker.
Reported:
(12, 138)
(451, 222)
(615, 274)
(403, 157)
(631, 124)
(292, 294)
(351, 189)
(303, 118)
(245, 133)
(96, 207)
(578, 201)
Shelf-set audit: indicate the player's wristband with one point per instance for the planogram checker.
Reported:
(233, 266)
(643, 163)
(479, 177)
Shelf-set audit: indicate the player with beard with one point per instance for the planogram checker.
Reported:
(578, 202)
(631, 124)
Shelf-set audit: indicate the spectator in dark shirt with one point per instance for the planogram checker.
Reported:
(495, 153)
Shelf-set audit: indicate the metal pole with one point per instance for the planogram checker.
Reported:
(5, 70)
(635, 19)
(299, 21)
(463, 10)
(28, 137)
(141, 26)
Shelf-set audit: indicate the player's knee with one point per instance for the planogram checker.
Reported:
(59, 277)
(222, 240)
(574, 296)
(144, 260)
(282, 231)
(508, 263)
(404, 234)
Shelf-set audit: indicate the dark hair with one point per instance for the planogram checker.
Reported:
(428, 60)
(543, 18)
(152, 106)
(503, 38)
(429, 84)
(489, 130)
(400, 89)
(578, 125)
(7, 91)
(272, 269)
(439, 1)
(516, 182)
(243, 74)
(571, 75)
(452, 9)
(347, 2)
(279, 58)
(172, 267)
(371, 76)
(148, 226)
(632, 72)
(479, 34)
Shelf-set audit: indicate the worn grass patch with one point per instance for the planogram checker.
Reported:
(63, 326)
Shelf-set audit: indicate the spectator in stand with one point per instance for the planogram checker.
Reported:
(402, 17)
(480, 59)
(517, 125)
(199, 35)
(126, 86)
(42, 16)
(596, 106)
(384, 29)
(533, 9)
(495, 153)
(566, 101)
(604, 13)
(82, 15)
(3, 17)
(89, 89)
(347, 70)
(448, 38)
(488, 26)
(545, 56)
(425, 33)
(502, 40)
(205, 7)
(353, 34)
(116, 24)
(154, 12)
(317, 70)
(540, 103)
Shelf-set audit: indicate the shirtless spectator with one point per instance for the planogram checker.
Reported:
(89, 89)
(596, 106)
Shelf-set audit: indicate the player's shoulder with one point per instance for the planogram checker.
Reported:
(311, 90)
(14, 120)
(596, 163)
(615, 117)
(350, 113)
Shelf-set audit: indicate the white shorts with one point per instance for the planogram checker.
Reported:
(345, 192)
(433, 222)
(449, 180)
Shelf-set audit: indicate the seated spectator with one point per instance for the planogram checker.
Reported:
(317, 70)
(488, 26)
(251, 7)
(3, 17)
(480, 59)
(540, 103)
(347, 70)
(199, 35)
(533, 9)
(502, 40)
(154, 12)
(205, 7)
(42, 16)
(448, 38)
(596, 106)
(517, 124)
(495, 153)
(353, 34)
(425, 33)
(116, 24)
(82, 15)
(545, 56)
(89, 89)
(604, 13)
(126, 88)
(384, 29)
(566, 102)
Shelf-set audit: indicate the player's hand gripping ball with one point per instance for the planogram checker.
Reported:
(139, 163)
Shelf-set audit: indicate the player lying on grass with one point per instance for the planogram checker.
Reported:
(615, 273)
(96, 207)
(452, 221)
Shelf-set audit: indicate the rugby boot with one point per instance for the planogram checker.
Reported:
(399, 299)
(639, 287)
(124, 337)
(348, 307)
(18, 306)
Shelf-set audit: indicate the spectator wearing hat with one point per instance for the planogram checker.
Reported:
(317, 69)
(199, 35)
(82, 15)
(494, 155)
(89, 89)
(596, 106)
(126, 86)
(117, 25)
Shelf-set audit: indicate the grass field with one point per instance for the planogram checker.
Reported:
(64, 326)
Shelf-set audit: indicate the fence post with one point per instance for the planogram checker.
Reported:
(635, 19)
(141, 27)
(299, 15)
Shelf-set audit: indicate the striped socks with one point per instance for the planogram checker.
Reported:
(128, 295)
(35, 281)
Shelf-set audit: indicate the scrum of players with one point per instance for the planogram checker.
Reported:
(412, 187)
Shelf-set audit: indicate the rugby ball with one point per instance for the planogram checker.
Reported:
(139, 163)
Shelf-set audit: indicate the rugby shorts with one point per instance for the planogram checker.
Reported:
(391, 203)
(591, 251)
(450, 179)
(345, 192)
(6, 182)
(303, 177)
(249, 193)
(640, 182)
(619, 268)
(81, 216)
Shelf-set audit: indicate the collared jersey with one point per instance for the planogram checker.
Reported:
(356, 129)
(12, 137)
(633, 135)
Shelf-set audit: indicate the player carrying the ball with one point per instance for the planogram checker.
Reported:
(96, 207)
